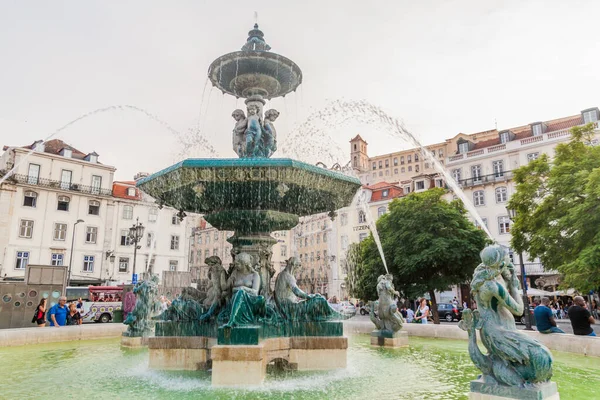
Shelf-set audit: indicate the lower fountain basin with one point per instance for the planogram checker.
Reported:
(101, 369)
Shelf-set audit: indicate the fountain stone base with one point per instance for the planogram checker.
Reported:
(481, 390)
(180, 353)
(389, 339)
(134, 342)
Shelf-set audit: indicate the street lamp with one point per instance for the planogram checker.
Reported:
(512, 215)
(72, 248)
(136, 232)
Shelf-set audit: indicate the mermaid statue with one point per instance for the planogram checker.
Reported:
(514, 359)
(296, 305)
(388, 317)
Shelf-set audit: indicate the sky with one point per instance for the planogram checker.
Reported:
(442, 67)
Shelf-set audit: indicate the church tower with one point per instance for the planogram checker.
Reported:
(358, 154)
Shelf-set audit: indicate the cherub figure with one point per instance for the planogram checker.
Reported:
(270, 134)
(239, 142)
(253, 131)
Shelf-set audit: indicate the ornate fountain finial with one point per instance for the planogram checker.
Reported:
(256, 41)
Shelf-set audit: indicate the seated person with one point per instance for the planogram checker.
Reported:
(581, 319)
(544, 318)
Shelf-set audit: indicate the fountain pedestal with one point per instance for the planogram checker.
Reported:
(389, 339)
(134, 342)
(481, 390)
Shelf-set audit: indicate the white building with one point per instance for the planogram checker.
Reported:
(58, 205)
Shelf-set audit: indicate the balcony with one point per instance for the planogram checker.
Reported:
(71, 187)
(486, 179)
(535, 269)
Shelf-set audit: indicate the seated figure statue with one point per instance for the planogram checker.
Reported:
(296, 305)
(246, 307)
(388, 318)
(217, 288)
(513, 358)
(186, 307)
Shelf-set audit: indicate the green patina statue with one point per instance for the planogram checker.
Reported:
(514, 359)
(294, 304)
(146, 306)
(217, 288)
(186, 307)
(388, 317)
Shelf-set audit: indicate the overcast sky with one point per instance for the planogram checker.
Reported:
(443, 67)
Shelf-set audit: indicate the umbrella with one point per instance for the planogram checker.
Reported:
(537, 292)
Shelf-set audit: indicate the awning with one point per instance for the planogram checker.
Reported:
(537, 292)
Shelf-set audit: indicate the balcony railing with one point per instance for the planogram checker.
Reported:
(535, 269)
(486, 179)
(72, 187)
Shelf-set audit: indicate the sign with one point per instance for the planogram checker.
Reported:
(134, 279)
(361, 228)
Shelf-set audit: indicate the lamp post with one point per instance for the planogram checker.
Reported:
(72, 248)
(136, 232)
(512, 214)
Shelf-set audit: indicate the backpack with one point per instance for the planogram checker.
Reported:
(36, 313)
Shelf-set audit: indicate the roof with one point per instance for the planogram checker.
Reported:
(120, 190)
(357, 137)
(379, 185)
(393, 192)
(55, 146)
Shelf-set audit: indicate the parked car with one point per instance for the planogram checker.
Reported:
(347, 308)
(366, 309)
(449, 312)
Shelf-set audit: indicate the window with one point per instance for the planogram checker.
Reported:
(123, 264)
(439, 183)
(501, 195)
(33, 176)
(207, 237)
(503, 224)
(26, 229)
(504, 137)
(362, 236)
(409, 169)
(374, 174)
(590, 116)
(395, 161)
(537, 129)
(88, 263)
(380, 164)
(60, 231)
(125, 240)
(22, 259)
(325, 237)
(91, 234)
(283, 250)
(65, 179)
(387, 172)
(216, 235)
(426, 165)
(402, 170)
(216, 251)
(175, 220)
(30, 199)
(463, 147)
(409, 158)
(94, 207)
(385, 193)
(484, 222)
(478, 198)
(395, 171)
(476, 173)
(344, 241)
(387, 163)
(416, 157)
(305, 242)
(318, 238)
(127, 212)
(312, 256)
(199, 239)
(63, 203)
(440, 153)
(420, 185)
(318, 255)
(57, 259)
(149, 239)
(325, 255)
(96, 184)
(456, 174)
(381, 211)
(401, 159)
(406, 189)
(206, 254)
(174, 242)
(153, 214)
(498, 168)
(131, 192)
(416, 168)
(532, 156)
(362, 217)
(374, 165)
(344, 219)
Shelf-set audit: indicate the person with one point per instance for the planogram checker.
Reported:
(40, 314)
(404, 313)
(544, 318)
(465, 305)
(410, 315)
(73, 317)
(58, 312)
(422, 312)
(455, 302)
(581, 319)
(164, 304)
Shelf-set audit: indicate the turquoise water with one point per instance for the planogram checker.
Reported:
(429, 369)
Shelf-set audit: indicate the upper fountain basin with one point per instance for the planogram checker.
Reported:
(255, 73)
(250, 194)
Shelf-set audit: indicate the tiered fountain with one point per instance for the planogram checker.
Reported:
(243, 324)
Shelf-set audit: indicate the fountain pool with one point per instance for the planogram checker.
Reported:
(101, 369)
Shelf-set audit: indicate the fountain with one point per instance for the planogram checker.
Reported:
(245, 325)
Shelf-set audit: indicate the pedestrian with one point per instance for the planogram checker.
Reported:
(58, 312)
(39, 316)
(544, 318)
(422, 312)
(581, 319)
(465, 305)
(164, 305)
(404, 313)
(455, 302)
(73, 317)
(410, 315)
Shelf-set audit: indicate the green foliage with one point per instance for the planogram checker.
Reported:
(364, 265)
(428, 242)
(558, 210)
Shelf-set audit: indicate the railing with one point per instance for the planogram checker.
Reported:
(456, 157)
(532, 139)
(496, 148)
(535, 269)
(73, 187)
(475, 153)
(485, 179)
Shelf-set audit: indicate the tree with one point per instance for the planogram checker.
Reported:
(558, 210)
(429, 245)
(363, 266)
